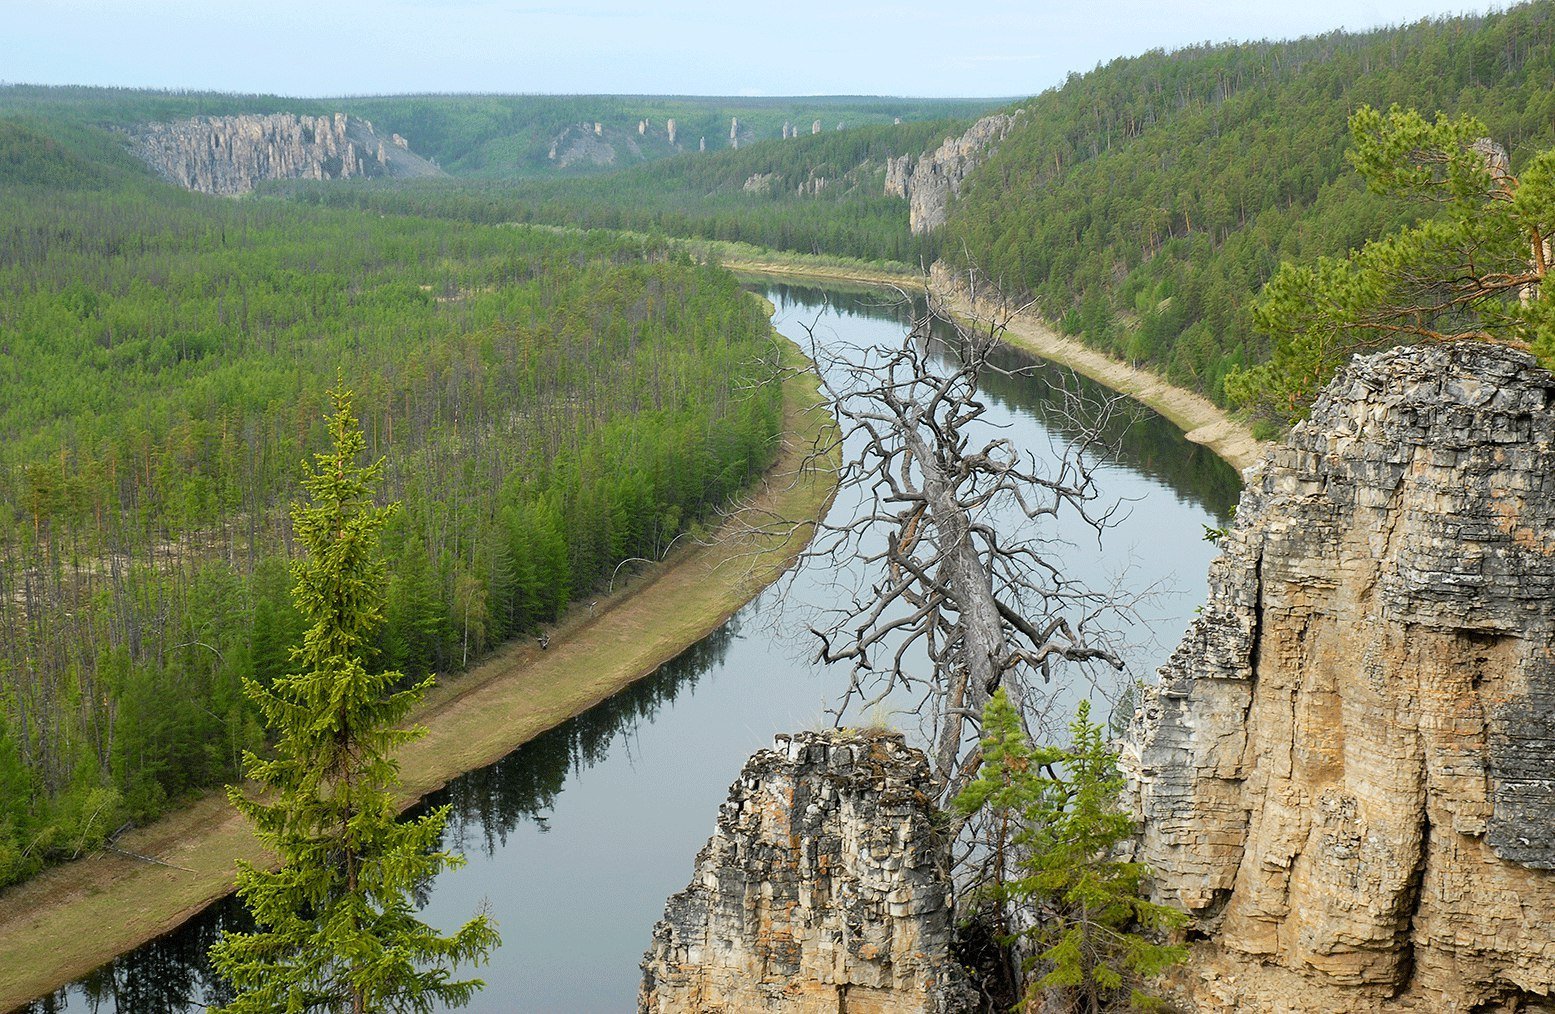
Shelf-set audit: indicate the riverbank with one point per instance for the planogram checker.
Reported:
(69, 920)
(1200, 419)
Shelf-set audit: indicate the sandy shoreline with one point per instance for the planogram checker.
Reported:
(1200, 419)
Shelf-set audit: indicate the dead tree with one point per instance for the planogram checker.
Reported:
(988, 607)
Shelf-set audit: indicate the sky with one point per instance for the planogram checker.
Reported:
(701, 47)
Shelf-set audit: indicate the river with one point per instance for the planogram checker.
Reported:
(575, 840)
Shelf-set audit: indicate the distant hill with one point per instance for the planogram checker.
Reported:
(510, 136)
(1144, 203)
(38, 153)
(814, 193)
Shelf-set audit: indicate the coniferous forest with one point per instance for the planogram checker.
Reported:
(550, 403)
(556, 377)
(547, 406)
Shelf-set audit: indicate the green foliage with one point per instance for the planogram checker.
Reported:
(546, 403)
(336, 923)
(29, 156)
(500, 136)
(1472, 269)
(1145, 204)
(1095, 939)
(814, 194)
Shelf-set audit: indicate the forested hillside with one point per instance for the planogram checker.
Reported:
(820, 194)
(510, 136)
(548, 405)
(1143, 204)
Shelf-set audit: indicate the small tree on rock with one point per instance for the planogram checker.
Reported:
(337, 929)
(1092, 935)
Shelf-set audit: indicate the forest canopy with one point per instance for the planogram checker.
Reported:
(547, 405)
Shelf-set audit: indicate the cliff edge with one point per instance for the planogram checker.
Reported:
(1347, 772)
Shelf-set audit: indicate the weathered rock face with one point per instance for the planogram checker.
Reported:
(232, 154)
(1347, 773)
(823, 889)
(930, 182)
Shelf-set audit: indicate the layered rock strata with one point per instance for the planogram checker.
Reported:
(232, 154)
(1347, 772)
(931, 181)
(822, 890)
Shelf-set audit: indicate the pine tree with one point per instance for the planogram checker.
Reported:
(1473, 267)
(336, 926)
(1094, 938)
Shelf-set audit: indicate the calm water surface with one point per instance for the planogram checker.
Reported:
(576, 839)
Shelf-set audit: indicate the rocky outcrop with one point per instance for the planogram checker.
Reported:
(823, 889)
(233, 154)
(761, 183)
(587, 144)
(1347, 772)
(934, 178)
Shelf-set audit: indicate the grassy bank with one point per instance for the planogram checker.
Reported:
(68, 920)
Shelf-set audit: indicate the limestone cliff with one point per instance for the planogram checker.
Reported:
(1347, 773)
(823, 890)
(930, 182)
(232, 154)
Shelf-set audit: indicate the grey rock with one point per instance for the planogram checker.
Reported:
(232, 154)
(1347, 771)
(823, 889)
(930, 182)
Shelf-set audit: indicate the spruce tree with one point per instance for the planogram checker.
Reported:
(337, 929)
(1095, 938)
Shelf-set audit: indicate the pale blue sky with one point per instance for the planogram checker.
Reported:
(799, 47)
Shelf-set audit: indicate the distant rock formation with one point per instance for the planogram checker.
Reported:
(815, 128)
(760, 183)
(586, 144)
(823, 890)
(669, 125)
(1347, 773)
(934, 178)
(232, 154)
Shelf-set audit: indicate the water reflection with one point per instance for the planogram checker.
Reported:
(490, 803)
(173, 971)
(170, 973)
(1139, 438)
(576, 839)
